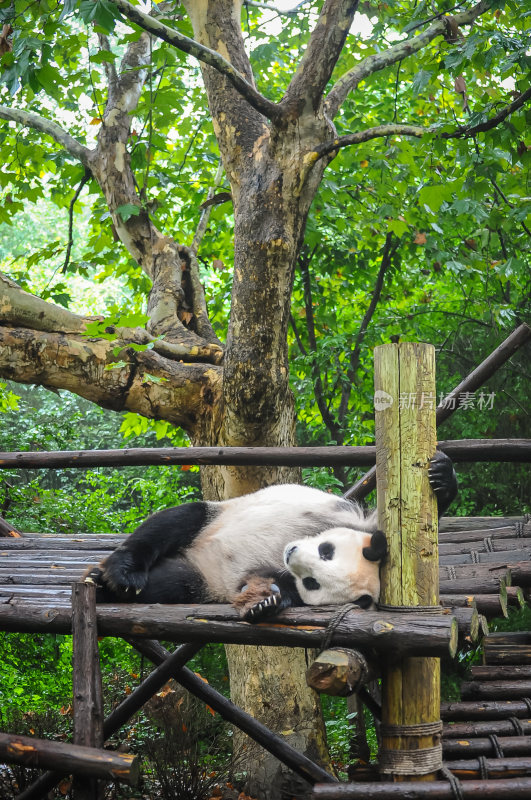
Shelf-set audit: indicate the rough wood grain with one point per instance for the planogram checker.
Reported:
(510, 788)
(86, 761)
(86, 682)
(407, 513)
(391, 633)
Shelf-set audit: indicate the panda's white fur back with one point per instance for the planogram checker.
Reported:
(230, 546)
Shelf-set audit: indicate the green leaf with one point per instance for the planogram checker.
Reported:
(397, 226)
(68, 8)
(420, 81)
(102, 12)
(433, 196)
(117, 365)
(132, 320)
(148, 378)
(127, 211)
(103, 56)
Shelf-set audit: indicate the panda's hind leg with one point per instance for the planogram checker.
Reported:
(265, 594)
(166, 534)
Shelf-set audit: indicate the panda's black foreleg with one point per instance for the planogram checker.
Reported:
(124, 574)
(173, 580)
(266, 593)
(443, 480)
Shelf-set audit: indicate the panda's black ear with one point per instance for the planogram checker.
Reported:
(377, 548)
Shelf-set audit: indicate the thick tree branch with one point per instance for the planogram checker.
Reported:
(176, 305)
(144, 382)
(306, 89)
(471, 130)
(415, 130)
(365, 136)
(31, 120)
(202, 53)
(398, 52)
(110, 161)
(22, 309)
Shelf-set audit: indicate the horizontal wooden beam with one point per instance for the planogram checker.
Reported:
(502, 689)
(458, 450)
(469, 711)
(485, 746)
(385, 632)
(493, 767)
(500, 727)
(48, 754)
(509, 788)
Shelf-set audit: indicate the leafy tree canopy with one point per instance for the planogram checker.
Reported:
(423, 236)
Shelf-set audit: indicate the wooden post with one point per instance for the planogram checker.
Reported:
(405, 402)
(8, 531)
(86, 678)
(339, 672)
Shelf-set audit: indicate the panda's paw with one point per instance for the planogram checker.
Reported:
(442, 479)
(94, 575)
(265, 609)
(259, 599)
(121, 575)
(441, 472)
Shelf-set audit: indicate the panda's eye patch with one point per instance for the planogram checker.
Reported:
(310, 584)
(326, 551)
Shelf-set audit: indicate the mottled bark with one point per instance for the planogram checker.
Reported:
(144, 382)
(272, 191)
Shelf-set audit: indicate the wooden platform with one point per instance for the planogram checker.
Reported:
(483, 561)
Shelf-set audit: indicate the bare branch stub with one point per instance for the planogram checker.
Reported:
(321, 55)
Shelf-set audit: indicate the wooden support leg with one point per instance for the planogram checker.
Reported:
(271, 742)
(405, 400)
(86, 677)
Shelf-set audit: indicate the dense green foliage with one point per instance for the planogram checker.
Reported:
(72, 501)
(454, 214)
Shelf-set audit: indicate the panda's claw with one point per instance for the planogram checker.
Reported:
(265, 609)
(94, 575)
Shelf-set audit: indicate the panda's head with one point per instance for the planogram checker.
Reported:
(339, 566)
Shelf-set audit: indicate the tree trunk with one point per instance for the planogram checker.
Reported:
(271, 200)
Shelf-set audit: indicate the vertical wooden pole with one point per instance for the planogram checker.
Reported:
(86, 678)
(405, 442)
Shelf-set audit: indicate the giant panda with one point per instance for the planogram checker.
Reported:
(281, 546)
